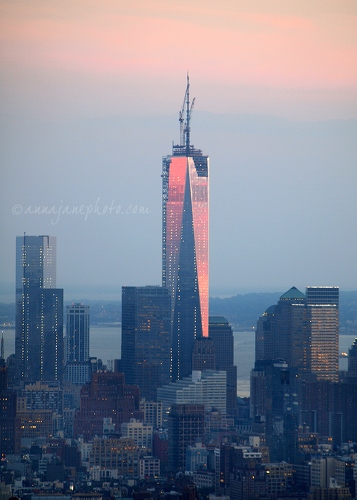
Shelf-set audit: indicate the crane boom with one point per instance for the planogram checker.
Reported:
(185, 123)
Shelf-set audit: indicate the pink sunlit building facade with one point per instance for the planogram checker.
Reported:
(185, 245)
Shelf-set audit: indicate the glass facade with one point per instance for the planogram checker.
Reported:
(323, 314)
(77, 333)
(39, 310)
(185, 250)
(145, 347)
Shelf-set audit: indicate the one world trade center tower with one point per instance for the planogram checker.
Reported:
(185, 241)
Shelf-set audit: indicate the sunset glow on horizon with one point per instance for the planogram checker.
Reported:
(91, 93)
(245, 45)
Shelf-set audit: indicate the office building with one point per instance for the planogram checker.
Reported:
(145, 352)
(303, 331)
(149, 467)
(106, 396)
(77, 369)
(221, 334)
(203, 354)
(77, 333)
(114, 454)
(352, 361)
(152, 411)
(9, 420)
(39, 311)
(323, 317)
(185, 243)
(274, 398)
(140, 432)
(186, 428)
(326, 409)
(282, 332)
(207, 388)
(43, 396)
(196, 457)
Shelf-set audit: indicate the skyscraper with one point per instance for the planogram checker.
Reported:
(185, 243)
(146, 349)
(39, 310)
(282, 332)
(323, 308)
(77, 333)
(303, 331)
(186, 427)
(221, 334)
(77, 344)
(9, 421)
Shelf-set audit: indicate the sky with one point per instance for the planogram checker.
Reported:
(90, 97)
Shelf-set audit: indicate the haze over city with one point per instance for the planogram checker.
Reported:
(91, 93)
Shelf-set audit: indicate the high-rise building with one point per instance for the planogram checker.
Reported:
(203, 354)
(78, 370)
(145, 352)
(9, 421)
(106, 396)
(352, 361)
(303, 331)
(186, 428)
(323, 308)
(282, 332)
(39, 311)
(207, 388)
(221, 334)
(77, 333)
(185, 243)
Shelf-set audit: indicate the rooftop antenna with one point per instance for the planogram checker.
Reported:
(185, 124)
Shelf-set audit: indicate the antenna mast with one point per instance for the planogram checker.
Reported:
(188, 116)
(185, 124)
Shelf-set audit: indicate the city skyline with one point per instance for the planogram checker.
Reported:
(87, 108)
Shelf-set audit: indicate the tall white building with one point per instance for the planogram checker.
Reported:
(207, 388)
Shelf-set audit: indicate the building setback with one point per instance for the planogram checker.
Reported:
(39, 311)
(207, 388)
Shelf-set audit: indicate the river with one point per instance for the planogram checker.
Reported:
(105, 343)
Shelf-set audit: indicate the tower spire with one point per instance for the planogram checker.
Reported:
(186, 108)
(188, 116)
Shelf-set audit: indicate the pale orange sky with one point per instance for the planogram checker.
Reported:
(287, 58)
(90, 97)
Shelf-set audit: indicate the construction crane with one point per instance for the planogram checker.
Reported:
(185, 124)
